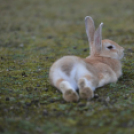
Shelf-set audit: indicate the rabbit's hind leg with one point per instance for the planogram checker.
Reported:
(86, 88)
(68, 92)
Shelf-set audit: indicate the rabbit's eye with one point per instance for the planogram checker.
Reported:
(110, 47)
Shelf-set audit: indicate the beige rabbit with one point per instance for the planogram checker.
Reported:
(103, 66)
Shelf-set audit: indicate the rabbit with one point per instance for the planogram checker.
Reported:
(101, 67)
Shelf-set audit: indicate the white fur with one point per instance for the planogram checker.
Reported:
(88, 84)
(82, 71)
(58, 74)
(66, 85)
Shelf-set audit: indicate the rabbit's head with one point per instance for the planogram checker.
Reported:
(99, 47)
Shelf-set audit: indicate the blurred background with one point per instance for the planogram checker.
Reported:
(33, 34)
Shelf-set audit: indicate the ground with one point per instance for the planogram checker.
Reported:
(33, 34)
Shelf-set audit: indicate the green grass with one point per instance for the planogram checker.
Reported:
(33, 34)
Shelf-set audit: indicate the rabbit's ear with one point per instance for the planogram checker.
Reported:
(90, 29)
(97, 40)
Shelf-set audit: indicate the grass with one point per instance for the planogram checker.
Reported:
(33, 34)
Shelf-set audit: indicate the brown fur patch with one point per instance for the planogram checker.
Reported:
(58, 82)
(67, 68)
(93, 80)
(114, 64)
(87, 77)
(100, 76)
